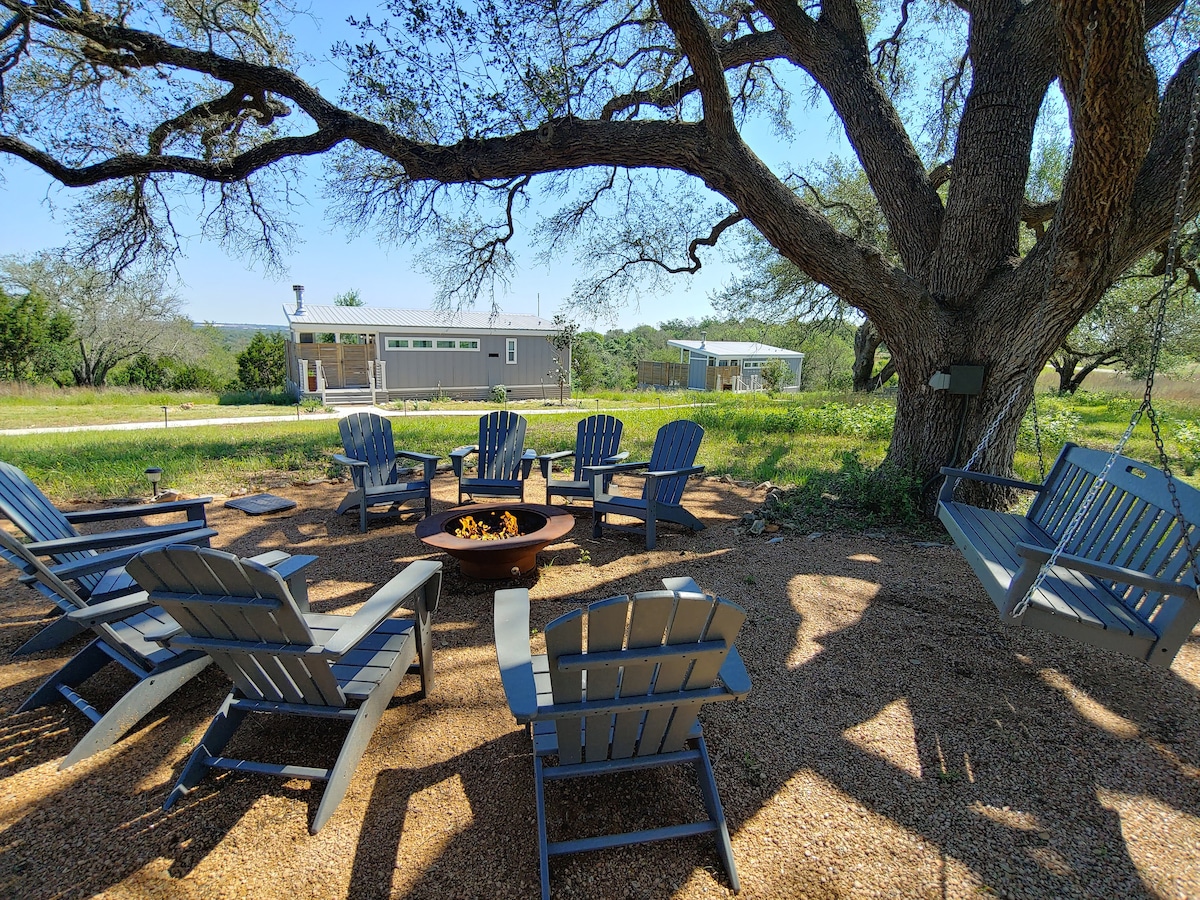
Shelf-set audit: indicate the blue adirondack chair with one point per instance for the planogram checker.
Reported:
(125, 631)
(504, 463)
(627, 697)
(283, 660)
(672, 462)
(378, 481)
(90, 561)
(597, 441)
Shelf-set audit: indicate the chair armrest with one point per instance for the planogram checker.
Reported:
(1119, 574)
(458, 454)
(610, 460)
(511, 616)
(527, 460)
(105, 540)
(111, 610)
(671, 473)
(115, 558)
(382, 604)
(345, 460)
(428, 462)
(683, 584)
(419, 457)
(164, 634)
(953, 476)
(194, 508)
(593, 471)
(546, 461)
(733, 674)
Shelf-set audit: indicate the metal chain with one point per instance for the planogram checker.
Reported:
(987, 435)
(1037, 433)
(1147, 406)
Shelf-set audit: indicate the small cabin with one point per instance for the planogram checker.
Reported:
(368, 354)
(732, 365)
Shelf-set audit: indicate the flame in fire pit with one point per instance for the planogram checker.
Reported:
(468, 527)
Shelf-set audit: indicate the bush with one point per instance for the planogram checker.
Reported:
(1187, 436)
(498, 394)
(262, 366)
(775, 375)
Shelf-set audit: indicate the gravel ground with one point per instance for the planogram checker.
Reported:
(898, 742)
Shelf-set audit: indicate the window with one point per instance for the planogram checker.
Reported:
(306, 337)
(752, 364)
(510, 350)
(413, 343)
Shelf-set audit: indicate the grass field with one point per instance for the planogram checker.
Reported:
(750, 438)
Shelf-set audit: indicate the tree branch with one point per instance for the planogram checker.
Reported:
(681, 17)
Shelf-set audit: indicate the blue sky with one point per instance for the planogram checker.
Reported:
(223, 288)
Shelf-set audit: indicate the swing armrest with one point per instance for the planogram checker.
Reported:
(1118, 574)
(953, 476)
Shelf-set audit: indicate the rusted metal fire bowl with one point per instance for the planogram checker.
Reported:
(503, 558)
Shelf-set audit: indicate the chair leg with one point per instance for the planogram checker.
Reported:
(130, 709)
(597, 523)
(651, 518)
(355, 744)
(57, 632)
(362, 516)
(223, 725)
(82, 666)
(716, 814)
(539, 788)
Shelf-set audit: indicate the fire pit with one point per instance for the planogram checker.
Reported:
(494, 552)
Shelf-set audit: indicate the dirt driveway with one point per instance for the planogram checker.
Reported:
(898, 742)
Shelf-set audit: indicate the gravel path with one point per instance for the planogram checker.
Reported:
(898, 742)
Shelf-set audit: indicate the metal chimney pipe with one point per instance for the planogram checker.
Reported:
(703, 335)
(299, 289)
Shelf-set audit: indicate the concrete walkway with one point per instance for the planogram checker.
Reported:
(338, 413)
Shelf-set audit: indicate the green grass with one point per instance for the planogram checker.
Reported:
(790, 442)
(44, 407)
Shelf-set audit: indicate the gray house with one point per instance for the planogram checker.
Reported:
(735, 364)
(347, 354)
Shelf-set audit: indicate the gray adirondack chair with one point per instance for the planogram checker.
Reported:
(597, 442)
(125, 629)
(52, 534)
(627, 697)
(504, 463)
(672, 462)
(284, 661)
(378, 479)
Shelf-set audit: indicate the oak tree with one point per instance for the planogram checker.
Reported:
(632, 115)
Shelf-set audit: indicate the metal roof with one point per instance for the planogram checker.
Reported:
(735, 348)
(370, 317)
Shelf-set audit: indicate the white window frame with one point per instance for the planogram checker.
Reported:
(510, 351)
(752, 364)
(410, 343)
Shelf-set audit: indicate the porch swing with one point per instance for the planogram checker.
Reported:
(1106, 554)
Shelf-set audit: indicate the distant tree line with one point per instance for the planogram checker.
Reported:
(69, 324)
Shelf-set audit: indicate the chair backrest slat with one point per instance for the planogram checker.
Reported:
(647, 625)
(596, 439)
(31, 511)
(632, 624)
(501, 445)
(690, 617)
(216, 595)
(606, 631)
(567, 687)
(368, 437)
(675, 447)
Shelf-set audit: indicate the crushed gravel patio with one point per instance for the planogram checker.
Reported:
(898, 742)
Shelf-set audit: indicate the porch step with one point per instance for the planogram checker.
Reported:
(348, 397)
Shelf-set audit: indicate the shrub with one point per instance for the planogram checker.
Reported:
(498, 394)
(1187, 436)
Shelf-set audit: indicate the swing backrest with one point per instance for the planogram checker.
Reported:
(1131, 523)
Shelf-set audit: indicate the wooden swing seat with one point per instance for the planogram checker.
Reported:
(1126, 586)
